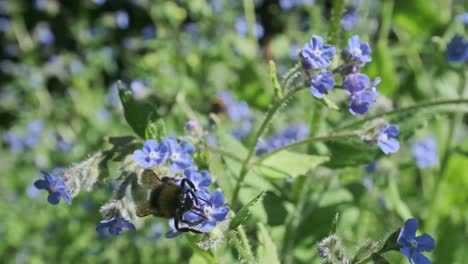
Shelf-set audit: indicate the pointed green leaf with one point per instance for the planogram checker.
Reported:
(244, 212)
(266, 251)
(156, 130)
(286, 164)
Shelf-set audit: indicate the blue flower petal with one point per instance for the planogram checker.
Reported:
(151, 144)
(41, 184)
(48, 177)
(408, 232)
(207, 226)
(219, 214)
(217, 199)
(54, 197)
(173, 234)
(102, 228)
(187, 147)
(406, 251)
(419, 258)
(425, 242)
(66, 196)
(390, 146)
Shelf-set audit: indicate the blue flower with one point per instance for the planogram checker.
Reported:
(412, 246)
(349, 20)
(14, 140)
(4, 24)
(55, 186)
(192, 125)
(463, 18)
(359, 102)
(148, 32)
(122, 19)
(362, 91)
(114, 226)
(152, 154)
(296, 132)
(45, 35)
(179, 154)
(316, 55)
(457, 49)
(242, 129)
(242, 28)
(357, 51)
(321, 83)
(386, 138)
(425, 152)
(201, 179)
(287, 136)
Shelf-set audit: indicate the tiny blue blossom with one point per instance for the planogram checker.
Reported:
(316, 55)
(457, 49)
(425, 153)
(216, 212)
(148, 32)
(122, 19)
(55, 186)
(242, 129)
(360, 102)
(413, 246)
(201, 179)
(321, 83)
(192, 125)
(386, 138)
(349, 20)
(179, 154)
(45, 35)
(242, 28)
(357, 51)
(14, 140)
(287, 136)
(152, 154)
(114, 226)
(356, 82)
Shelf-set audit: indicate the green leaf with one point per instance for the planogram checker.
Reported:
(378, 259)
(244, 212)
(156, 130)
(390, 242)
(275, 209)
(350, 152)
(137, 113)
(365, 251)
(286, 164)
(274, 79)
(266, 251)
(383, 65)
(231, 144)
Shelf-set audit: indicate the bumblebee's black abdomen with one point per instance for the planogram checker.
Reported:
(165, 200)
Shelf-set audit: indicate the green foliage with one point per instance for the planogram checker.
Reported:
(266, 251)
(244, 212)
(340, 153)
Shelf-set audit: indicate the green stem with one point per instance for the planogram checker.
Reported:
(244, 168)
(244, 240)
(240, 249)
(405, 109)
(335, 30)
(249, 13)
(305, 142)
(290, 74)
(387, 12)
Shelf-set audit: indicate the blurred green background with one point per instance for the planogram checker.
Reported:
(59, 63)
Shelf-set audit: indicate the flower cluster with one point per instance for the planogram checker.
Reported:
(425, 153)
(242, 28)
(210, 207)
(18, 142)
(114, 226)
(238, 112)
(287, 136)
(457, 49)
(317, 57)
(412, 246)
(179, 155)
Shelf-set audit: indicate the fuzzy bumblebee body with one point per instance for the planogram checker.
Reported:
(165, 200)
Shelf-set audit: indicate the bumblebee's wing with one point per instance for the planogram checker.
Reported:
(150, 180)
(144, 209)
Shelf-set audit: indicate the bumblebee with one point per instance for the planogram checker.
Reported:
(171, 200)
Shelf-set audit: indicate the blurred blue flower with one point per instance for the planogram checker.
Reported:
(316, 55)
(45, 35)
(152, 154)
(14, 140)
(242, 28)
(4, 24)
(425, 152)
(287, 136)
(349, 20)
(64, 145)
(99, 2)
(114, 226)
(386, 138)
(148, 32)
(122, 19)
(321, 83)
(179, 154)
(55, 186)
(201, 179)
(192, 125)
(290, 4)
(357, 51)
(242, 129)
(296, 132)
(294, 51)
(463, 18)
(35, 126)
(238, 112)
(371, 167)
(139, 89)
(76, 66)
(457, 49)
(41, 5)
(412, 246)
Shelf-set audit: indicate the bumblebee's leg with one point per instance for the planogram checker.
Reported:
(189, 183)
(184, 229)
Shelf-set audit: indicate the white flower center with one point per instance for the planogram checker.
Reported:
(175, 156)
(383, 137)
(208, 211)
(414, 243)
(153, 155)
(317, 53)
(357, 52)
